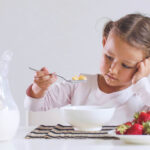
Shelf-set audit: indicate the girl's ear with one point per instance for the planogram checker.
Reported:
(104, 41)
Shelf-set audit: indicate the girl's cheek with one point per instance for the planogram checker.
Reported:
(127, 75)
(104, 66)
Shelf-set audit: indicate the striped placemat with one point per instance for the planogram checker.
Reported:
(66, 132)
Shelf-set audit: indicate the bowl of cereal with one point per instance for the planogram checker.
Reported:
(87, 118)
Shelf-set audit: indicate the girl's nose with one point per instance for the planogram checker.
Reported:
(114, 68)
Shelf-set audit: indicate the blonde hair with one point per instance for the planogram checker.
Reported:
(132, 28)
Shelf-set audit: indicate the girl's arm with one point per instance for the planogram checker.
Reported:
(141, 81)
(143, 70)
(57, 95)
(142, 89)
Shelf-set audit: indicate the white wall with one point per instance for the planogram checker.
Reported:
(59, 34)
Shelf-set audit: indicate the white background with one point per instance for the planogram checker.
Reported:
(63, 35)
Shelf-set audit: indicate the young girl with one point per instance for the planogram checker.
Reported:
(123, 82)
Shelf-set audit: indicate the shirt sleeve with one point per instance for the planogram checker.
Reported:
(59, 94)
(142, 89)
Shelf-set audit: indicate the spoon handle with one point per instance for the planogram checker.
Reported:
(33, 69)
(49, 74)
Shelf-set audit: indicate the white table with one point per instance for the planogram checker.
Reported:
(20, 143)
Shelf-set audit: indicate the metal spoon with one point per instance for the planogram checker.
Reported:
(71, 81)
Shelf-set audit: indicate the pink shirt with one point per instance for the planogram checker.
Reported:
(128, 101)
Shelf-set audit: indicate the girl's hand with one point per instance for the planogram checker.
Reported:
(143, 70)
(42, 80)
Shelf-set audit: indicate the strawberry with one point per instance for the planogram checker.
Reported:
(143, 117)
(136, 116)
(121, 129)
(148, 112)
(135, 129)
(134, 121)
(146, 126)
(129, 124)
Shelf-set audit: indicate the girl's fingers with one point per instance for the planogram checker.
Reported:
(40, 81)
(45, 79)
(143, 70)
(44, 69)
(139, 74)
(40, 74)
(42, 85)
(53, 75)
(147, 64)
(45, 84)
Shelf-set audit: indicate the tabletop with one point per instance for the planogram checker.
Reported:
(20, 143)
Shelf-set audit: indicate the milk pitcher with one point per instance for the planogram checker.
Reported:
(9, 113)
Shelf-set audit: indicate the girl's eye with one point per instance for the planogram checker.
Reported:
(109, 57)
(125, 66)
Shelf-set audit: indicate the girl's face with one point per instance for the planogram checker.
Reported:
(119, 60)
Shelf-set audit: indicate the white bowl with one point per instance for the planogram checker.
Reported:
(87, 118)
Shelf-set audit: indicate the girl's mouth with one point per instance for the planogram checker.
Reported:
(111, 77)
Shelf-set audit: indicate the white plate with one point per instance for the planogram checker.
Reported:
(132, 139)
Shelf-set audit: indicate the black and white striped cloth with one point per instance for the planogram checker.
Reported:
(66, 132)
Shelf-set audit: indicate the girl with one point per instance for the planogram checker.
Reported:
(123, 82)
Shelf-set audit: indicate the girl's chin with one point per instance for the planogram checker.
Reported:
(110, 82)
